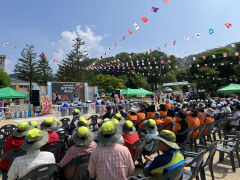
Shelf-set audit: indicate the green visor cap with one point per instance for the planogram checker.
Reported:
(151, 123)
(48, 121)
(22, 126)
(76, 112)
(34, 123)
(169, 135)
(83, 132)
(118, 116)
(108, 128)
(34, 135)
(82, 121)
(106, 119)
(129, 124)
(115, 121)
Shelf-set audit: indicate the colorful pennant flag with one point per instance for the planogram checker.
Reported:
(186, 38)
(144, 19)
(166, 1)
(130, 32)
(233, 45)
(5, 44)
(211, 31)
(154, 9)
(136, 26)
(228, 25)
(174, 43)
(197, 35)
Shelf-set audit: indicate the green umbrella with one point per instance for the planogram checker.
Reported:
(134, 92)
(230, 88)
(9, 93)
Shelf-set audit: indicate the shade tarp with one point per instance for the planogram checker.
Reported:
(230, 88)
(9, 93)
(134, 92)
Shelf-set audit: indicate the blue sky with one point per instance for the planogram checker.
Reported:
(51, 24)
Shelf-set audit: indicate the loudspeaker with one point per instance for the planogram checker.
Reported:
(34, 98)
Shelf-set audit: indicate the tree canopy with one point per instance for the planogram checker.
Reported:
(5, 80)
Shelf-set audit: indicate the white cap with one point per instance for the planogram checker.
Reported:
(222, 103)
(184, 102)
(190, 101)
(228, 99)
(201, 100)
(219, 105)
(213, 105)
(235, 100)
(206, 100)
(231, 102)
(198, 100)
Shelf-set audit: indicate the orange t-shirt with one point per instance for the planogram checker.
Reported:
(150, 115)
(209, 119)
(169, 106)
(158, 121)
(201, 117)
(140, 117)
(163, 114)
(166, 121)
(177, 128)
(131, 117)
(193, 122)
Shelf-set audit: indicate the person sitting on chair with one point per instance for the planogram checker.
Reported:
(76, 114)
(84, 144)
(170, 158)
(34, 140)
(49, 124)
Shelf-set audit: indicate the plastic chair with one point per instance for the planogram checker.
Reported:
(54, 147)
(65, 122)
(139, 145)
(93, 122)
(2, 142)
(225, 148)
(207, 134)
(198, 160)
(43, 172)
(201, 128)
(8, 129)
(209, 162)
(12, 154)
(155, 148)
(80, 165)
(188, 133)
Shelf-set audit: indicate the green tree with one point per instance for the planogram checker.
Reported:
(5, 80)
(44, 70)
(73, 67)
(107, 83)
(27, 66)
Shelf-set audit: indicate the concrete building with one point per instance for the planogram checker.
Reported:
(2, 62)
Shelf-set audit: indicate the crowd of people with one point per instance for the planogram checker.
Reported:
(110, 147)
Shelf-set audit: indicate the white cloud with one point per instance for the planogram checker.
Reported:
(92, 42)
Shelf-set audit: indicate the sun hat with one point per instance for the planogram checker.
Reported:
(81, 122)
(115, 121)
(35, 139)
(34, 124)
(167, 100)
(210, 111)
(109, 133)
(22, 129)
(76, 112)
(231, 103)
(59, 123)
(168, 137)
(128, 127)
(150, 125)
(49, 124)
(83, 136)
(118, 116)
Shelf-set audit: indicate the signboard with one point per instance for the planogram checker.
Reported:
(175, 83)
(67, 90)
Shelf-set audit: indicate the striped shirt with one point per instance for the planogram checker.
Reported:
(111, 162)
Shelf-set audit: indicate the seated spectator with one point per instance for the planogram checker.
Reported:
(163, 111)
(15, 140)
(49, 124)
(84, 144)
(119, 117)
(169, 119)
(168, 105)
(170, 158)
(151, 113)
(193, 121)
(132, 116)
(151, 128)
(111, 160)
(157, 118)
(103, 109)
(81, 122)
(140, 117)
(201, 115)
(181, 126)
(34, 124)
(76, 114)
(209, 119)
(59, 125)
(34, 140)
(130, 135)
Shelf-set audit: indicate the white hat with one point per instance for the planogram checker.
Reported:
(228, 99)
(194, 100)
(235, 100)
(231, 102)
(167, 100)
(210, 111)
(206, 100)
(219, 105)
(198, 100)
(213, 105)
(190, 101)
(201, 100)
(222, 103)
(184, 102)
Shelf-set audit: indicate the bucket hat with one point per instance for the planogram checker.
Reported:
(150, 125)
(109, 133)
(128, 127)
(76, 112)
(118, 116)
(115, 121)
(210, 111)
(35, 139)
(34, 124)
(81, 122)
(49, 124)
(168, 137)
(22, 129)
(59, 123)
(83, 136)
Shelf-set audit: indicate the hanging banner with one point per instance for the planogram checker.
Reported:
(175, 83)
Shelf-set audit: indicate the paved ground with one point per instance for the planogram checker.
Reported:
(222, 171)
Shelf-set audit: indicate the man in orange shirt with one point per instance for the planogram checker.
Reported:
(132, 116)
(169, 119)
(140, 117)
(193, 121)
(168, 105)
(209, 118)
(151, 113)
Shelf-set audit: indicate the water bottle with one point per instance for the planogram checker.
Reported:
(17, 115)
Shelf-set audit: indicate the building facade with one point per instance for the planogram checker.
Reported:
(2, 62)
